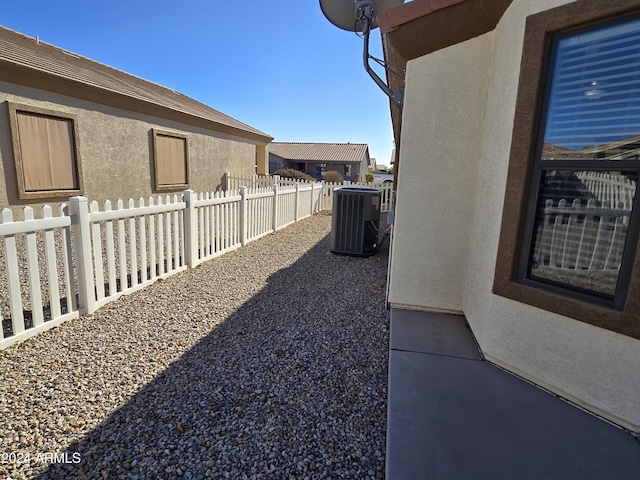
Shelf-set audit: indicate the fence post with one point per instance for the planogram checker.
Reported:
(274, 227)
(79, 208)
(297, 202)
(190, 229)
(243, 215)
(311, 212)
(276, 179)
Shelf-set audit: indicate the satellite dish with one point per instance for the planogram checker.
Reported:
(345, 14)
(360, 16)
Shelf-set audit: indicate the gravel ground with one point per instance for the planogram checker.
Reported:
(267, 362)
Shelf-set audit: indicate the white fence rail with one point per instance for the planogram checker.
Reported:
(234, 182)
(386, 192)
(58, 267)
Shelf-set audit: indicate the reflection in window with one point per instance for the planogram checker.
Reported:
(580, 229)
(587, 169)
(594, 102)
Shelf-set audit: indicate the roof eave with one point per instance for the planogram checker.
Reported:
(30, 77)
(412, 30)
(447, 22)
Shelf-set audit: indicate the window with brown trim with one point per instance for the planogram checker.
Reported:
(571, 247)
(171, 161)
(45, 151)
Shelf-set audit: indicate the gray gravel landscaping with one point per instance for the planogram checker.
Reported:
(267, 362)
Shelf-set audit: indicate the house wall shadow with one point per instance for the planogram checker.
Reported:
(292, 382)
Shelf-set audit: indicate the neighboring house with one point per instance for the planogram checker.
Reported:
(372, 165)
(351, 160)
(551, 292)
(74, 126)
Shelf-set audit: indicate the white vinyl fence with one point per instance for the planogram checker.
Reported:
(582, 238)
(587, 239)
(234, 182)
(609, 189)
(58, 267)
(386, 193)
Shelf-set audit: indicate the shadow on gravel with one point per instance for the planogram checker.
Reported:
(291, 385)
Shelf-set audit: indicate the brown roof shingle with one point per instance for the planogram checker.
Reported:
(320, 152)
(51, 68)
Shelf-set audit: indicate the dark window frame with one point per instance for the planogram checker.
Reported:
(13, 109)
(174, 187)
(621, 315)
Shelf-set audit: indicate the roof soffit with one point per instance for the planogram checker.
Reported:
(420, 27)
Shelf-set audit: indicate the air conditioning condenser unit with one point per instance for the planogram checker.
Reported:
(355, 221)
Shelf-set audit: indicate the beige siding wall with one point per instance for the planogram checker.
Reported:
(448, 223)
(116, 149)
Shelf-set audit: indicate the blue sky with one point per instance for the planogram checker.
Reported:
(277, 65)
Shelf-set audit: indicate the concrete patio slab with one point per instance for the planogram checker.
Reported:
(452, 417)
(437, 333)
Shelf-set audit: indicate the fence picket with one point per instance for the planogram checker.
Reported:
(33, 272)
(67, 263)
(122, 249)
(13, 277)
(160, 237)
(50, 262)
(142, 244)
(202, 249)
(153, 266)
(111, 252)
(225, 224)
(97, 254)
(615, 250)
(133, 256)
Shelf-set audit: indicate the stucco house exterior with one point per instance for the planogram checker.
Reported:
(519, 116)
(351, 160)
(73, 126)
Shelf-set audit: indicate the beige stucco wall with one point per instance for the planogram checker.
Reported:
(439, 266)
(116, 149)
(442, 121)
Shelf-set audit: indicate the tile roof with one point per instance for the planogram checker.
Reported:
(324, 152)
(21, 52)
